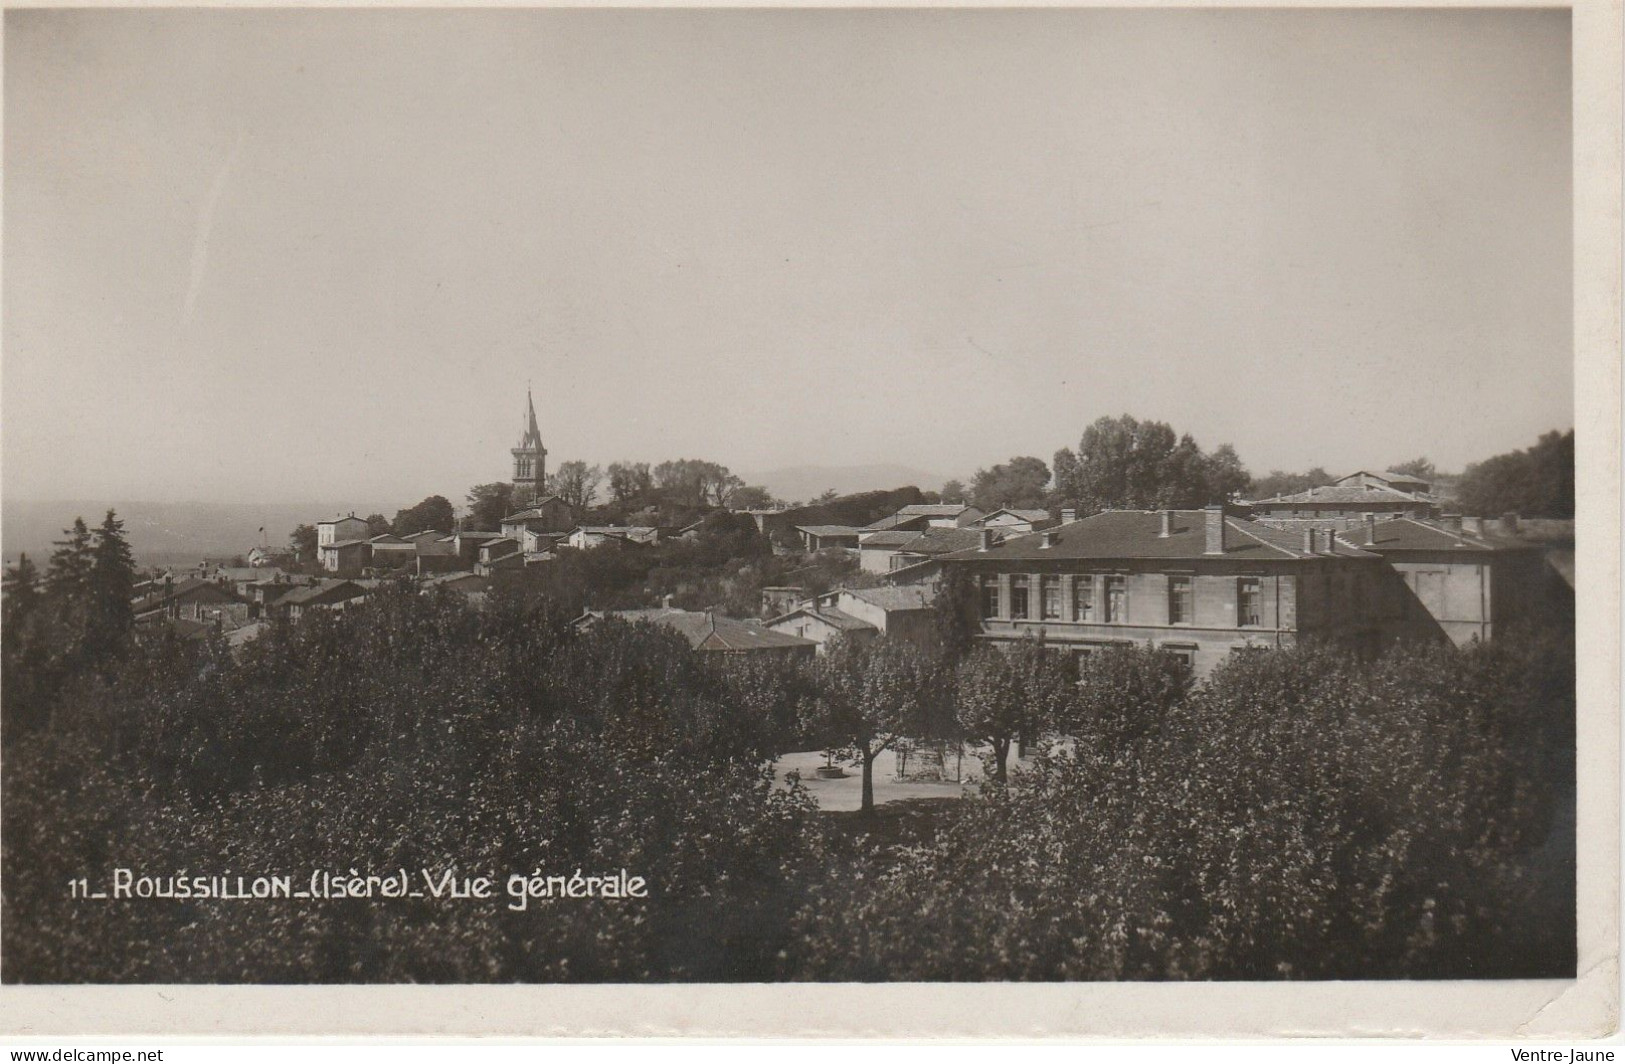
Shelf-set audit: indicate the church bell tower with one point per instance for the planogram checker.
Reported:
(529, 459)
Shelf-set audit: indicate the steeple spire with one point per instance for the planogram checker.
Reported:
(532, 436)
(529, 457)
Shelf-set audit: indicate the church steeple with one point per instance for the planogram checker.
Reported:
(529, 457)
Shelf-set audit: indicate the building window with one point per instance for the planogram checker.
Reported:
(1116, 603)
(1179, 600)
(1249, 602)
(1050, 593)
(1018, 598)
(990, 596)
(1083, 598)
(1184, 652)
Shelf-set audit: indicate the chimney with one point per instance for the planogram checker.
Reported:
(1167, 524)
(1509, 523)
(986, 539)
(1309, 541)
(1370, 529)
(1050, 539)
(1472, 525)
(1068, 515)
(665, 600)
(1215, 529)
(1453, 522)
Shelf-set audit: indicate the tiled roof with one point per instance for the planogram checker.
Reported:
(413, 537)
(322, 593)
(1025, 515)
(830, 530)
(907, 597)
(835, 618)
(708, 630)
(1345, 493)
(1135, 534)
(886, 524)
(339, 543)
(386, 537)
(928, 509)
(1409, 534)
(535, 511)
(1387, 474)
(943, 540)
(885, 539)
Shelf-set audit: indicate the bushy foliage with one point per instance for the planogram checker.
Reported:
(1300, 816)
(412, 733)
(1125, 463)
(1535, 482)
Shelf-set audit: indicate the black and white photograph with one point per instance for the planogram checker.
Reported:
(670, 497)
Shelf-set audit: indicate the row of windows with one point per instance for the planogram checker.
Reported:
(1104, 600)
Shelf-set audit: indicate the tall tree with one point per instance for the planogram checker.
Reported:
(377, 524)
(576, 483)
(1227, 478)
(488, 504)
(629, 481)
(870, 695)
(302, 541)
(1005, 695)
(1020, 483)
(953, 491)
(432, 514)
(112, 583)
(68, 575)
(1125, 463)
(1536, 482)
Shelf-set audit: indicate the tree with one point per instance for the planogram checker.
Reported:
(302, 541)
(870, 695)
(1536, 482)
(1003, 695)
(1227, 478)
(694, 483)
(433, 514)
(488, 504)
(1124, 463)
(954, 491)
(112, 582)
(1125, 692)
(68, 575)
(576, 483)
(629, 481)
(1421, 468)
(1018, 483)
(955, 617)
(377, 524)
(752, 497)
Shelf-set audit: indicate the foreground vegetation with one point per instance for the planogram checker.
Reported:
(1300, 815)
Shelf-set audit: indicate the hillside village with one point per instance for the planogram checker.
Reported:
(1367, 561)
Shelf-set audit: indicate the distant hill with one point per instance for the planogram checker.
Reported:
(803, 483)
(164, 533)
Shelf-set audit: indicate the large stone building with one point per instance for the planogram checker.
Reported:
(1200, 583)
(1205, 583)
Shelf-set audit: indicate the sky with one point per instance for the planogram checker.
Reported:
(288, 255)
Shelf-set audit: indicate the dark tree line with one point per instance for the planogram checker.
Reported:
(73, 619)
